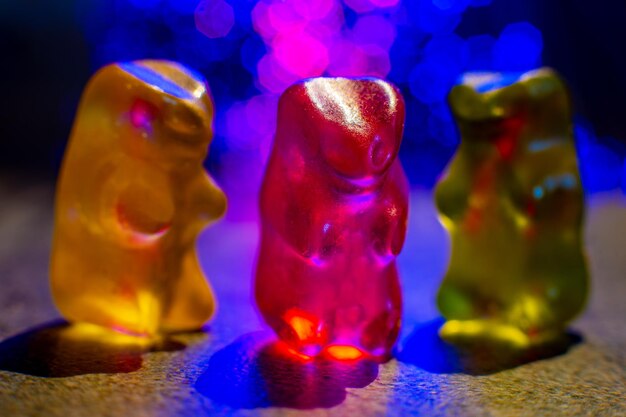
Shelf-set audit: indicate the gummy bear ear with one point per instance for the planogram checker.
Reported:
(294, 118)
(546, 89)
(399, 117)
(467, 103)
(185, 119)
(542, 82)
(180, 95)
(471, 105)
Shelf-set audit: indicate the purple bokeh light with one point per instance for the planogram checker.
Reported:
(214, 18)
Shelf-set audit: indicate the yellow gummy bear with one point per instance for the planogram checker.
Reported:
(512, 202)
(132, 197)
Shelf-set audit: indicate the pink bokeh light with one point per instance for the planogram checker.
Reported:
(284, 19)
(352, 60)
(301, 54)
(314, 9)
(311, 38)
(272, 77)
(360, 6)
(385, 3)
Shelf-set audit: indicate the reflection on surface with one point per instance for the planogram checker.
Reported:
(255, 371)
(426, 349)
(58, 349)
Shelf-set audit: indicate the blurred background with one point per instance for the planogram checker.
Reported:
(250, 51)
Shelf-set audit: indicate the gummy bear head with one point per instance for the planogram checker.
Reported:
(355, 125)
(510, 110)
(163, 110)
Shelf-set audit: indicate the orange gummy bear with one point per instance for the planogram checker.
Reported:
(132, 197)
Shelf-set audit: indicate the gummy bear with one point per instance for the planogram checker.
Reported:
(132, 197)
(512, 202)
(334, 203)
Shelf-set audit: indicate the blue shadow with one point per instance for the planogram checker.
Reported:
(427, 350)
(255, 371)
(45, 351)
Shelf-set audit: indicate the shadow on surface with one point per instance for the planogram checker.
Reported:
(55, 350)
(255, 371)
(427, 350)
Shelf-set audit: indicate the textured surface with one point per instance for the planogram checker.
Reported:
(231, 369)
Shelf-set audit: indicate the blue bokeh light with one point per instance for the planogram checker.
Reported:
(601, 160)
(455, 6)
(518, 48)
(432, 19)
(480, 51)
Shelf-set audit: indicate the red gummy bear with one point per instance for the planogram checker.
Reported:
(334, 203)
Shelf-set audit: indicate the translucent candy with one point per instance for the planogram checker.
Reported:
(131, 198)
(334, 212)
(512, 202)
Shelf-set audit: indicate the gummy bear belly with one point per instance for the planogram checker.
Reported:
(347, 298)
(104, 284)
(488, 264)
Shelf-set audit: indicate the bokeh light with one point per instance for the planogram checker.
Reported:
(518, 48)
(251, 50)
(601, 160)
(214, 18)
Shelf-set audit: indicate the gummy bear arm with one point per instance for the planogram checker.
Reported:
(208, 197)
(395, 233)
(290, 214)
(143, 211)
(399, 235)
(452, 192)
(140, 210)
(295, 230)
(563, 206)
(398, 197)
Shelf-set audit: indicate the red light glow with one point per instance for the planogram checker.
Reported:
(344, 352)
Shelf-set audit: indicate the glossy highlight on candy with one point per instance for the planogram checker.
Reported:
(132, 197)
(334, 204)
(512, 202)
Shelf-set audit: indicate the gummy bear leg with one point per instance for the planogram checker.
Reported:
(543, 317)
(473, 319)
(479, 331)
(88, 295)
(380, 335)
(192, 302)
(455, 302)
